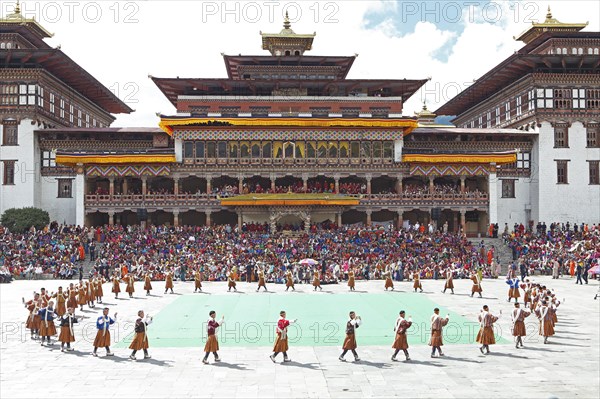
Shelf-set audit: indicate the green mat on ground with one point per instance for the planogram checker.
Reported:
(250, 319)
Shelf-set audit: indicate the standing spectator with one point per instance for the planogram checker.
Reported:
(579, 271)
(92, 249)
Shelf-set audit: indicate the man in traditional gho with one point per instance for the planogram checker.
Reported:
(72, 296)
(351, 282)
(526, 287)
(476, 288)
(140, 341)
(417, 281)
(116, 286)
(401, 343)
(289, 280)
(33, 320)
(47, 327)
(388, 280)
(147, 283)
(169, 281)
(231, 281)
(261, 280)
(103, 335)
(44, 298)
(198, 280)
(350, 341)
(485, 336)
(67, 335)
(544, 314)
(316, 280)
(449, 285)
(90, 295)
(518, 327)
(513, 290)
(281, 341)
(61, 301)
(81, 294)
(212, 344)
(437, 325)
(99, 292)
(130, 280)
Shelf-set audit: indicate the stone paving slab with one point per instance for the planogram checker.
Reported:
(567, 367)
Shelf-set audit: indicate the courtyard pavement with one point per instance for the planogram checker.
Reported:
(567, 367)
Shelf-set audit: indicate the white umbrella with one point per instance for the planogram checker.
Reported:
(308, 261)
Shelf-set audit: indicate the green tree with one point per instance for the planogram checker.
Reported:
(21, 219)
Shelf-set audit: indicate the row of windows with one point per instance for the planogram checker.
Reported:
(288, 149)
(33, 94)
(562, 172)
(575, 51)
(285, 76)
(563, 98)
(568, 98)
(8, 45)
(561, 136)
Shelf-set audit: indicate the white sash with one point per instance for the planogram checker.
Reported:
(70, 325)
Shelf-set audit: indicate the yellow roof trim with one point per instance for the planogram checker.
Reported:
(461, 158)
(114, 159)
(167, 124)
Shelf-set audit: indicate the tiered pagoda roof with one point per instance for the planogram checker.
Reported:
(238, 64)
(172, 88)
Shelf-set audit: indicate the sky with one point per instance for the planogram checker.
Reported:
(121, 43)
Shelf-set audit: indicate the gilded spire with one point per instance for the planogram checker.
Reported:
(17, 12)
(549, 14)
(286, 21)
(425, 116)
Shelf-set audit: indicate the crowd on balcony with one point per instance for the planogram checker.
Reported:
(414, 190)
(312, 186)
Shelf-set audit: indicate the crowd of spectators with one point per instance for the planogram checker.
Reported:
(572, 246)
(54, 250)
(217, 250)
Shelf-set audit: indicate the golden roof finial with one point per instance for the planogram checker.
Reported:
(425, 106)
(17, 12)
(286, 21)
(549, 14)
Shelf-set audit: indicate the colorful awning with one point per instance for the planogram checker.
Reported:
(74, 159)
(497, 158)
(290, 199)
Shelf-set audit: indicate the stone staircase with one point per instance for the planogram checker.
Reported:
(502, 251)
(87, 266)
